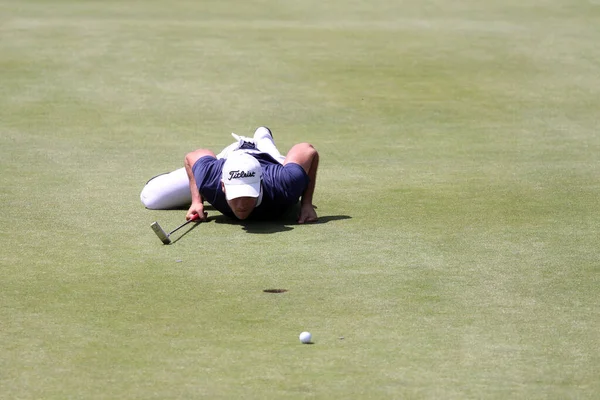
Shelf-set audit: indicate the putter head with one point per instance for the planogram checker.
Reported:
(162, 235)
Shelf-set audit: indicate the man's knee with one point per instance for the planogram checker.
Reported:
(167, 191)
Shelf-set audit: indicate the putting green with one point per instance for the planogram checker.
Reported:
(458, 187)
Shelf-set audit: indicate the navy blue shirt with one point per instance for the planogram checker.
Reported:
(282, 185)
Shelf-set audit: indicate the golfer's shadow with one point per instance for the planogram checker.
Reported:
(285, 224)
(261, 227)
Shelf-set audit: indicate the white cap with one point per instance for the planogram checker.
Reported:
(241, 176)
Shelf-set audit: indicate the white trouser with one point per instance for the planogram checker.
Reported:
(172, 190)
(167, 191)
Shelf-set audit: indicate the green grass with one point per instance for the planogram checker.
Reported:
(458, 191)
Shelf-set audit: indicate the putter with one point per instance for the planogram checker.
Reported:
(164, 236)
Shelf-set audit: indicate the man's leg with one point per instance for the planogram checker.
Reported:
(261, 142)
(263, 139)
(167, 191)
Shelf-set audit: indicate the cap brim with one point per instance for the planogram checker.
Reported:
(235, 191)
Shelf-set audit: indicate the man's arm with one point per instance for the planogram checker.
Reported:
(197, 207)
(305, 155)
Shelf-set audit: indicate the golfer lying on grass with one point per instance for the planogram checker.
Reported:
(248, 179)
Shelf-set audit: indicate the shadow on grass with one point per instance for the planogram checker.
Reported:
(283, 224)
(275, 226)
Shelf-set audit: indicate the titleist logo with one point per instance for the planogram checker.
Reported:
(241, 174)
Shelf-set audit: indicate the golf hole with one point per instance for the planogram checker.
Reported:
(275, 290)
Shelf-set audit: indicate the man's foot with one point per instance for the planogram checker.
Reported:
(262, 132)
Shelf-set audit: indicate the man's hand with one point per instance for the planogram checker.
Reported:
(196, 209)
(307, 214)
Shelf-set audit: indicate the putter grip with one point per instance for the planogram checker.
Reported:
(196, 216)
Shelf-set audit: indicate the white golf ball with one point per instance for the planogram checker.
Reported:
(305, 337)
